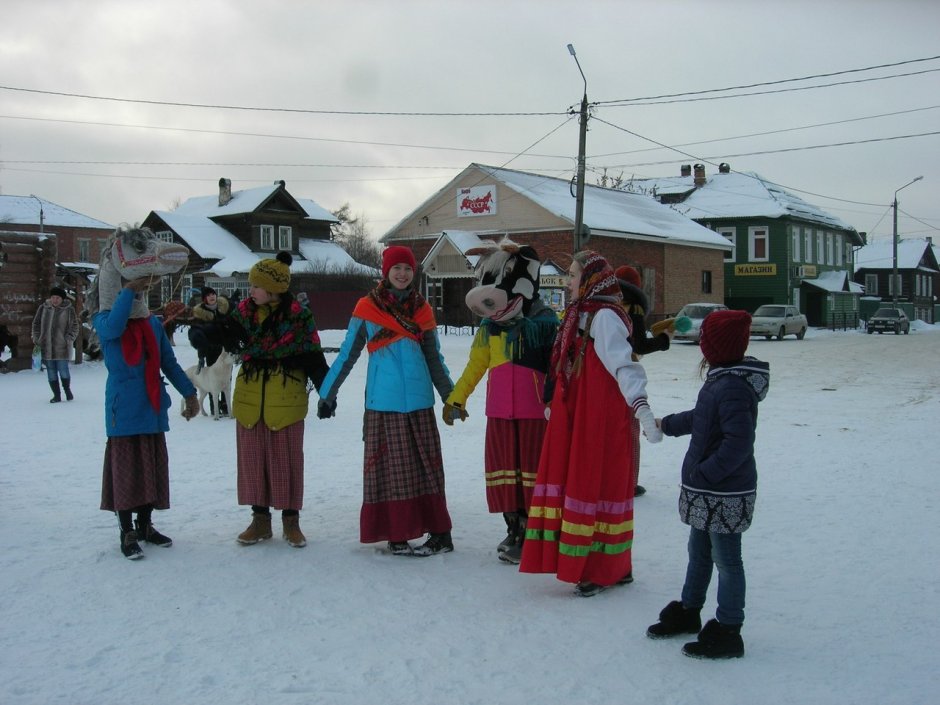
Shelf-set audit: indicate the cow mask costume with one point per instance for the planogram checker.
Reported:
(508, 276)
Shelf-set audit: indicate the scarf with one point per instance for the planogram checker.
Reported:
(405, 318)
(139, 341)
(534, 331)
(275, 335)
(599, 289)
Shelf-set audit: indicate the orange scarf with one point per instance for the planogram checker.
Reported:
(393, 330)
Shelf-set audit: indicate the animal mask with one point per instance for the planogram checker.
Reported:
(508, 276)
(132, 253)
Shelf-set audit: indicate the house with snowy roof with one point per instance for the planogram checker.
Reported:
(680, 260)
(918, 279)
(228, 232)
(785, 250)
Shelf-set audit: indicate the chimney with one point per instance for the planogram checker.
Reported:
(225, 191)
(929, 240)
(685, 170)
(724, 168)
(699, 179)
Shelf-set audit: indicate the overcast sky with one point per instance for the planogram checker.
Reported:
(299, 66)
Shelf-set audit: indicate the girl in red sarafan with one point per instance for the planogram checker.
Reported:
(580, 523)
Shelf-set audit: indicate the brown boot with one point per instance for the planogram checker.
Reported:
(258, 530)
(292, 532)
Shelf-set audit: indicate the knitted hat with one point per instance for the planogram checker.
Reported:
(724, 336)
(272, 275)
(58, 291)
(626, 273)
(397, 254)
(206, 290)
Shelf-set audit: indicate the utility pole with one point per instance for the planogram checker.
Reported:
(580, 234)
(895, 284)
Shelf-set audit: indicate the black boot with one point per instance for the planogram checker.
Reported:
(513, 554)
(675, 619)
(436, 543)
(716, 640)
(147, 532)
(129, 546)
(56, 392)
(512, 527)
(67, 387)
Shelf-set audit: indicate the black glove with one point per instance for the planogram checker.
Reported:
(326, 409)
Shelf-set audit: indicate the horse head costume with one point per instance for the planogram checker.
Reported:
(132, 253)
(508, 276)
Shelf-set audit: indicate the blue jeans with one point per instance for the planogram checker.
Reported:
(56, 369)
(706, 550)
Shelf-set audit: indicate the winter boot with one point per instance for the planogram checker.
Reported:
(129, 546)
(400, 548)
(639, 491)
(512, 530)
(715, 641)
(513, 554)
(149, 534)
(292, 532)
(258, 530)
(436, 543)
(675, 619)
(56, 392)
(67, 387)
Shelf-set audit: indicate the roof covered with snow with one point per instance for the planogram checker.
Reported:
(835, 281)
(248, 201)
(24, 210)
(736, 195)
(610, 210)
(880, 254)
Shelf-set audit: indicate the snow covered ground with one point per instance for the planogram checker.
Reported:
(843, 581)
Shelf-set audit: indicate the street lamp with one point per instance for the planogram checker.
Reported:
(895, 284)
(40, 213)
(582, 142)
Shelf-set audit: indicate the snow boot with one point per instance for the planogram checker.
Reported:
(639, 491)
(56, 393)
(716, 641)
(292, 532)
(436, 543)
(400, 548)
(675, 619)
(258, 530)
(129, 546)
(513, 554)
(512, 530)
(146, 532)
(67, 387)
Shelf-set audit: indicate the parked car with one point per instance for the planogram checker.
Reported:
(889, 319)
(772, 320)
(696, 313)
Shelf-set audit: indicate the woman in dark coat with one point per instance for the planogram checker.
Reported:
(55, 328)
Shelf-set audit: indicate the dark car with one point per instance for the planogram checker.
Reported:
(888, 320)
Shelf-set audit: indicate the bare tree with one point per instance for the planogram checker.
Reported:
(352, 234)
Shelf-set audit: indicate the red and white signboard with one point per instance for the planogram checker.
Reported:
(476, 200)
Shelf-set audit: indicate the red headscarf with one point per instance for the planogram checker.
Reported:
(599, 289)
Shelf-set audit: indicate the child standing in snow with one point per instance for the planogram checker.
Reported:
(279, 346)
(719, 486)
(580, 523)
(403, 473)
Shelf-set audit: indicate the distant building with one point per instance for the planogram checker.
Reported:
(918, 282)
(80, 239)
(785, 250)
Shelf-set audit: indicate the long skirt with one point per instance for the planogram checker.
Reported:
(136, 473)
(580, 523)
(403, 477)
(271, 466)
(511, 462)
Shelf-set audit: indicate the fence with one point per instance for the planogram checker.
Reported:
(842, 320)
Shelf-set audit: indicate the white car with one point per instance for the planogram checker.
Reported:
(696, 313)
(778, 320)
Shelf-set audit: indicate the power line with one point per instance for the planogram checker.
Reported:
(773, 83)
(305, 111)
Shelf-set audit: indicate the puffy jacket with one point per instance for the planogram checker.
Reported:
(277, 396)
(55, 329)
(401, 377)
(128, 411)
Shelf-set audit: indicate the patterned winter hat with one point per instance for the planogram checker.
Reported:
(397, 254)
(724, 336)
(272, 275)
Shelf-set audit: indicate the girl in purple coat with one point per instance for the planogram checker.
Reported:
(719, 486)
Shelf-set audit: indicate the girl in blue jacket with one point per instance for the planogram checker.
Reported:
(403, 471)
(719, 486)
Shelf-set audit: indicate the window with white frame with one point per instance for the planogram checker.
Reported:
(84, 250)
(894, 285)
(795, 245)
(284, 237)
(820, 247)
(839, 249)
(267, 237)
(758, 244)
(165, 235)
(730, 235)
(808, 245)
(830, 252)
(871, 284)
